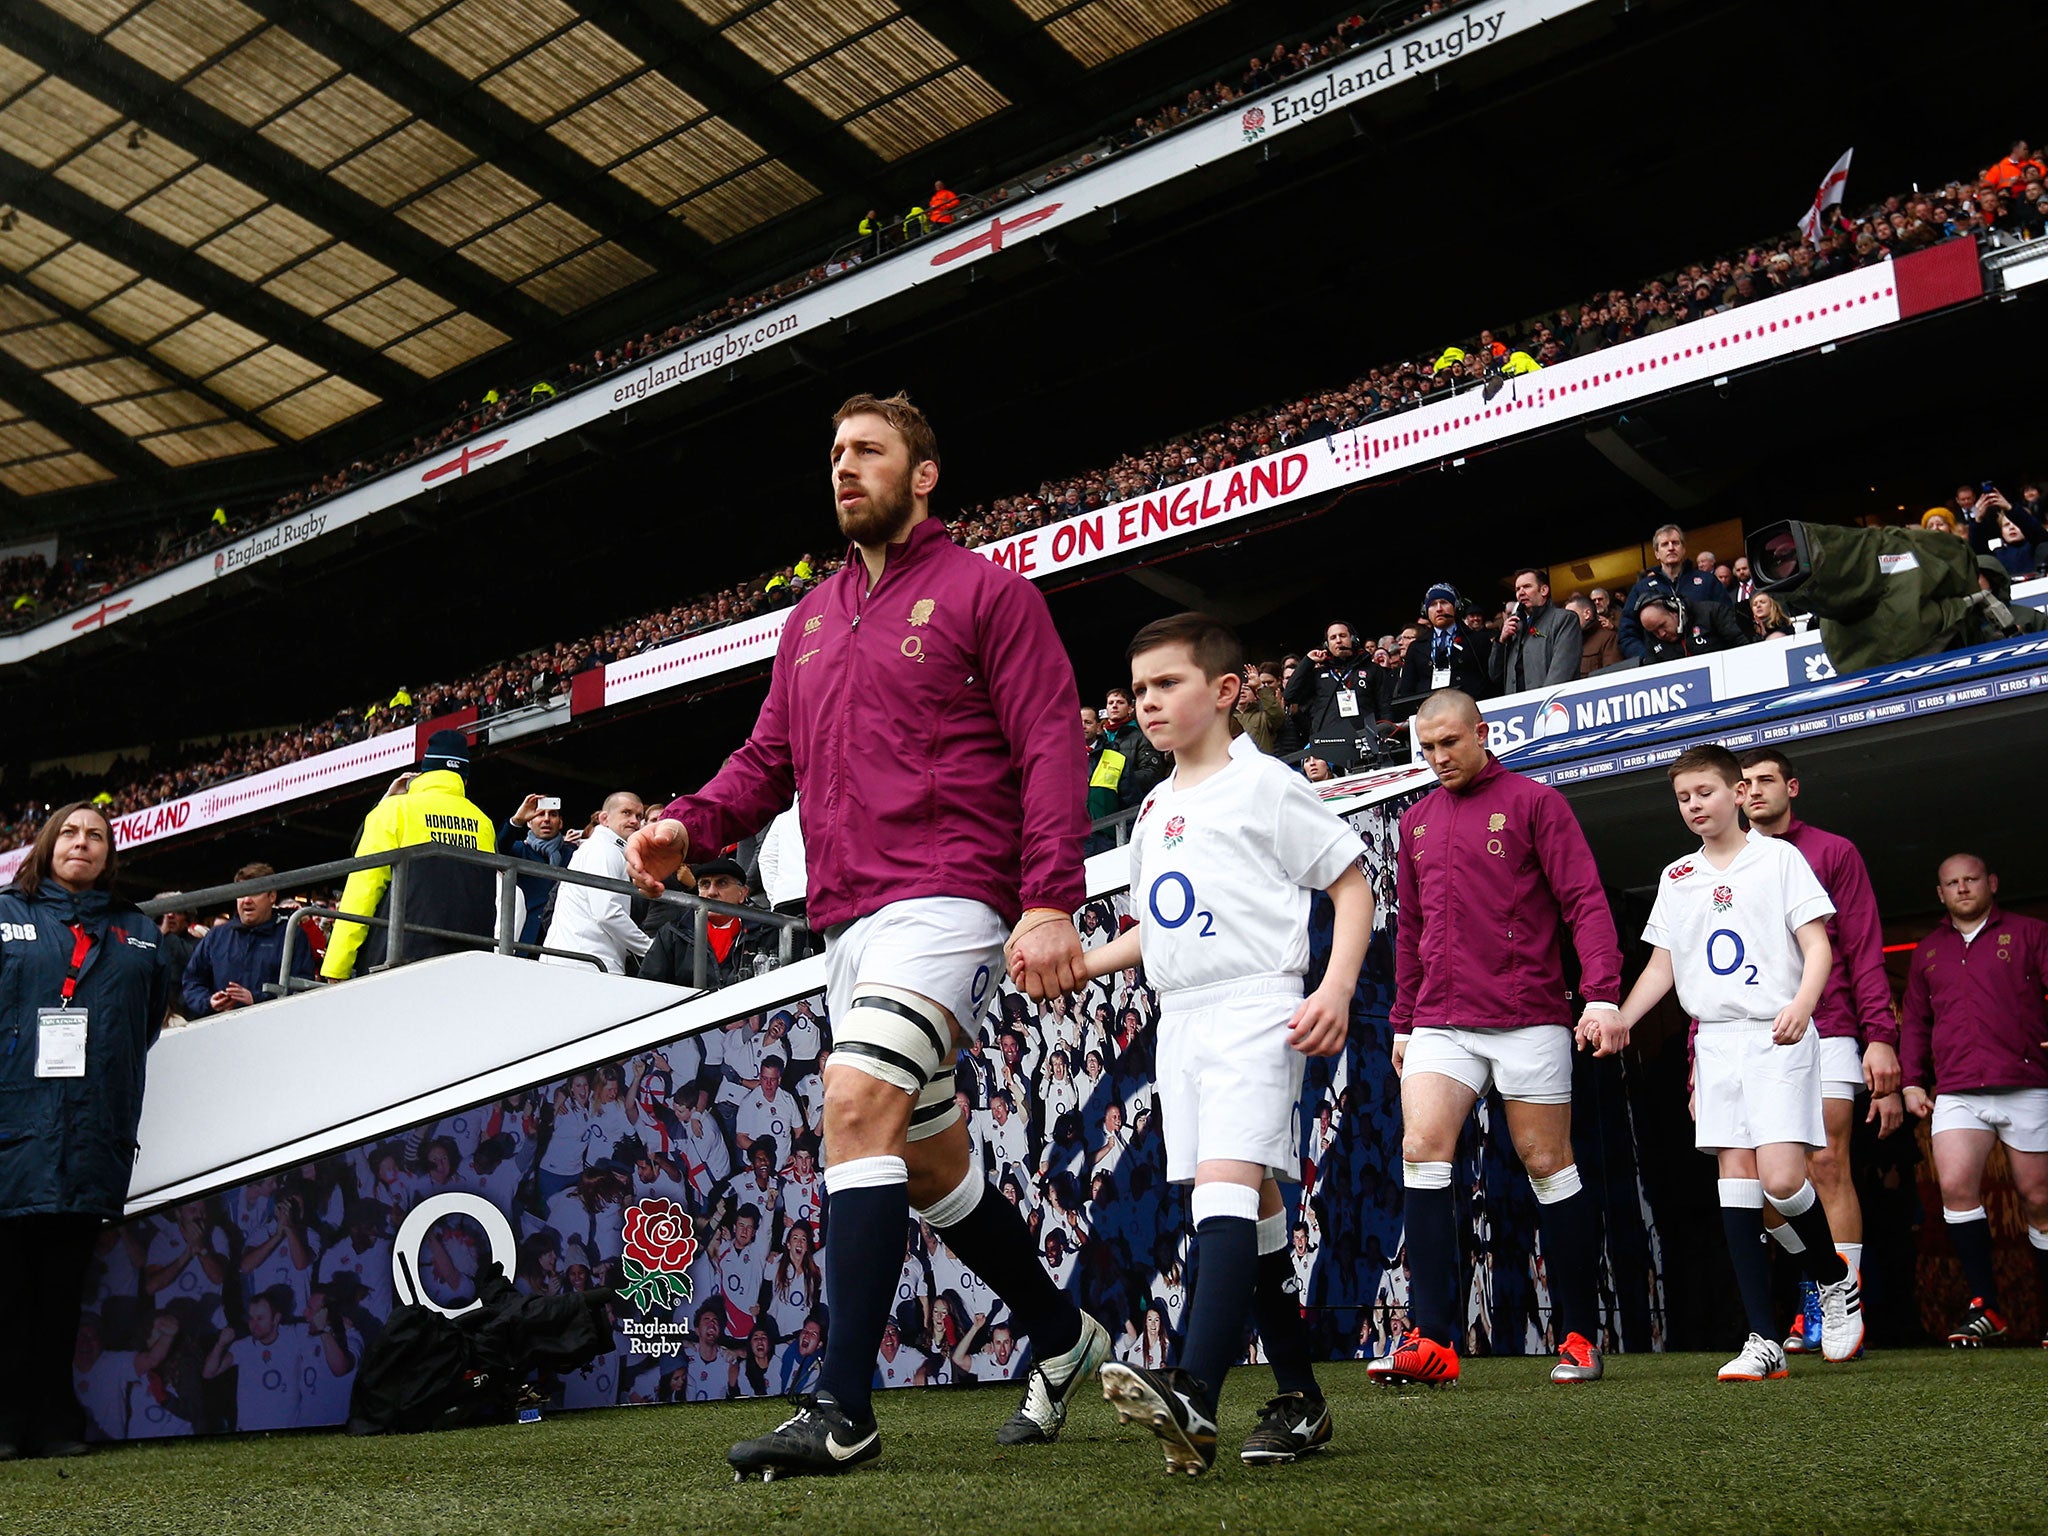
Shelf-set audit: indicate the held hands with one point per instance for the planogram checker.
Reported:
(1320, 1024)
(1044, 954)
(655, 854)
(1602, 1029)
(1789, 1028)
(1919, 1103)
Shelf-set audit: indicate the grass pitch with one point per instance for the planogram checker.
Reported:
(1904, 1441)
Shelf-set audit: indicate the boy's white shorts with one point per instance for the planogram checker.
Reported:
(1532, 1064)
(1752, 1092)
(2018, 1115)
(1229, 1083)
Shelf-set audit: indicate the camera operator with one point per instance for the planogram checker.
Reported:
(1334, 689)
(1539, 642)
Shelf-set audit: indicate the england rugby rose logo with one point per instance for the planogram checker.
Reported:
(659, 1245)
(1176, 829)
(1723, 898)
(1254, 122)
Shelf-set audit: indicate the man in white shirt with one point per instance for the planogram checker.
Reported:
(766, 1111)
(589, 921)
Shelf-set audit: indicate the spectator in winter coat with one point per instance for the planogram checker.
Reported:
(1445, 654)
(233, 962)
(535, 833)
(1672, 576)
(1598, 646)
(1677, 629)
(733, 942)
(1539, 642)
(1144, 764)
(1333, 688)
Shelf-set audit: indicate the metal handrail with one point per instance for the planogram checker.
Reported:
(510, 871)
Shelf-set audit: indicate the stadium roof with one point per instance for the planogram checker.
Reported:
(229, 226)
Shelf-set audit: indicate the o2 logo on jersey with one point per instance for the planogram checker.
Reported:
(1723, 898)
(1176, 829)
(1185, 900)
(1732, 948)
(659, 1245)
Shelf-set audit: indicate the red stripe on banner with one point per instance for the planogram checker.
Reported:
(461, 720)
(586, 692)
(1936, 278)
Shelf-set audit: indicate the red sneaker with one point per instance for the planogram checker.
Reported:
(1416, 1359)
(1577, 1360)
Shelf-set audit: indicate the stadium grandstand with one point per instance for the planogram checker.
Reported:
(392, 385)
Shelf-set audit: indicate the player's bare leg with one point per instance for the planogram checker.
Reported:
(1960, 1155)
(1434, 1108)
(1570, 1229)
(2030, 1179)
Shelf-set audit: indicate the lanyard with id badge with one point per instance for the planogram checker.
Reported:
(60, 1031)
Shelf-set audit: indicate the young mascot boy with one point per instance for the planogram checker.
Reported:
(1224, 855)
(1741, 928)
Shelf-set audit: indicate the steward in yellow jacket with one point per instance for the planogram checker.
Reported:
(439, 893)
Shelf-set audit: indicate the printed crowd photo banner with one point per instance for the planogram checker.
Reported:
(687, 1175)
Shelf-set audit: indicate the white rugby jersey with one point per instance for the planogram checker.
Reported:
(1221, 873)
(1729, 931)
(269, 1378)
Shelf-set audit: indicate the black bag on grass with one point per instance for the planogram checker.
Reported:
(427, 1371)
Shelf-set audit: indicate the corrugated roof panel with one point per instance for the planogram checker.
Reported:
(318, 407)
(457, 210)
(379, 318)
(750, 198)
(1099, 30)
(93, 15)
(112, 378)
(927, 113)
(27, 440)
(333, 122)
(402, 15)
(638, 112)
(399, 164)
(17, 74)
(81, 276)
(268, 73)
(196, 205)
(473, 37)
(329, 278)
(50, 120)
(165, 411)
(45, 347)
(586, 277)
(59, 473)
(145, 310)
(108, 171)
(196, 445)
(29, 241)
(18, 309)
(175, 37)
(450, 344)
(209, 342)
(581, 63)
(268, 239)
(263, 377)
(858, 71)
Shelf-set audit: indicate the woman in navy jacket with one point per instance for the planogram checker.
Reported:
(67, 1126)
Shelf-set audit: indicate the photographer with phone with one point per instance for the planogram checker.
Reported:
(1336, 689)
(535, 832)
(1995, 527)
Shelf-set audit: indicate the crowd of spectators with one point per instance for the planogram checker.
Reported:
(1962, 209)
(33, 588)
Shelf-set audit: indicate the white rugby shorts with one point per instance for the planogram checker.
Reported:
(1532, 1065)
(945, 948)
(1752, 1092)
(1229, 1083)
(2018, 1115)
(1841, 1067)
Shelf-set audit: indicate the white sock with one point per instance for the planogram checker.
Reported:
(1272, 1232)
(1852, 1255)
(1786, 1238)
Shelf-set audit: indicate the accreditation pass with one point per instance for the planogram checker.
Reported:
(60, 1042)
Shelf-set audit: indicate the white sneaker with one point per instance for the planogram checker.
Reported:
(1054, 1384)
(1841, 1318)
(1761, 1359)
